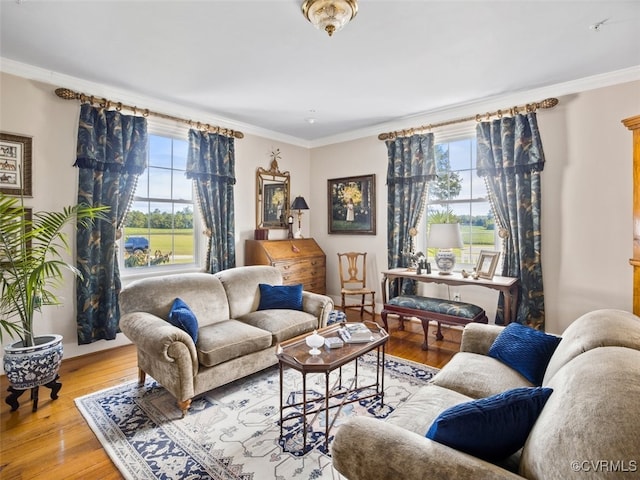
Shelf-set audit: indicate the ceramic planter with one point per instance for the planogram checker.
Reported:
(29, 367)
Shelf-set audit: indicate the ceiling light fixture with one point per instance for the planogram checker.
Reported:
(329, 15)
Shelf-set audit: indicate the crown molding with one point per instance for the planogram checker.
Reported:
(433, 116)
(487, 104)
(96, 89)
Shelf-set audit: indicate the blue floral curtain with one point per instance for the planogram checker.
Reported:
(211, 164)
(111, 154)
(411, 167)
(510, 157)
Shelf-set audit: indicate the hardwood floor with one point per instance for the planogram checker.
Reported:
(56, 443)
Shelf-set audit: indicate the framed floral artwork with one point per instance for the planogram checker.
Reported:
(352, 205)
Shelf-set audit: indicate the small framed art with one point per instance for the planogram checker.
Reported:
(352, 205)
(15, 165)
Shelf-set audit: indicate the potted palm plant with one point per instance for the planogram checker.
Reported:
(31, 267)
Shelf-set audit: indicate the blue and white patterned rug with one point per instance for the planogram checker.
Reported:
(232, 432)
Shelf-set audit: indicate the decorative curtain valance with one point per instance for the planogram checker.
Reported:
(211, 155)
(411, 159)
(509, 145)
(110, 141)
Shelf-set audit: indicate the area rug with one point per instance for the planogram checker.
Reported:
(233, 432)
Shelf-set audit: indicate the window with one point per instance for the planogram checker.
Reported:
(159, 229)
(459, 195)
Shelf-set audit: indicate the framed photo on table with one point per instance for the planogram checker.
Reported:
(352, 205)
(487, 263)
(15, 165)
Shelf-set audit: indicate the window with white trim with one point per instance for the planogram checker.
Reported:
(459, 195)
(161, 226)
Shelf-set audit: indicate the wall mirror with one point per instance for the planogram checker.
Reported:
(272, 195)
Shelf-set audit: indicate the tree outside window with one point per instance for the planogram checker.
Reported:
(458, 195)
(159, 229)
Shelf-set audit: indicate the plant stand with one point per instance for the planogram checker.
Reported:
(14, 394)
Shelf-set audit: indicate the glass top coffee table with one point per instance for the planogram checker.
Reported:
(294, 353)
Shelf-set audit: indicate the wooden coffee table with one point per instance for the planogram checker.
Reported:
(294, 353)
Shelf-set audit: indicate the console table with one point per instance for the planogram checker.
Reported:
(507, 285)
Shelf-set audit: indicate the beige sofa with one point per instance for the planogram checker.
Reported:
(235, 339)
(589, 428)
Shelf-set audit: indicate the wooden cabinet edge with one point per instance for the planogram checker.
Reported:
(633, 124)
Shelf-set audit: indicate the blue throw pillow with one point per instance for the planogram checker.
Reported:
(182, 317)
(280, 296)
(525, 349)
(491, 428)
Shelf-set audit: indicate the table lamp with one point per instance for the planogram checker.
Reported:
(299, 204)
(445, 237)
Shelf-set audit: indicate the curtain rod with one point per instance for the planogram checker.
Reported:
(529, 107)
(68, 94)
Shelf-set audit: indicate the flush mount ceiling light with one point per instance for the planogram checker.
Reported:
(329, 15)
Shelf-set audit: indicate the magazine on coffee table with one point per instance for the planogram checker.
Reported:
(355, 333)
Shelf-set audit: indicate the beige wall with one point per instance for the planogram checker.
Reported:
(30, 108)
(586, 215)
(586, 204)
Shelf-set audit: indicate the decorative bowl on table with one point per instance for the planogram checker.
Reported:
(315, 341)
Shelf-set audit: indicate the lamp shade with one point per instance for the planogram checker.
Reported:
(445, 235)
(299, 203)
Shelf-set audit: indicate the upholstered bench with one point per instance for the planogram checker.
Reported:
(439, 310)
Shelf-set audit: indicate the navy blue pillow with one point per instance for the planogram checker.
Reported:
(491, 428)
(525, 349)
(280, 296)
(182, 317)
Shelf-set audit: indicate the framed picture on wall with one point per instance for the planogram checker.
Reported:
(15, 165)
(352, 205)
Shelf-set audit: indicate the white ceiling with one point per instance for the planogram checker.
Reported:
(261, 64)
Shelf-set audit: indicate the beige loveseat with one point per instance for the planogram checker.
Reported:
(589, 428)
(235, 339)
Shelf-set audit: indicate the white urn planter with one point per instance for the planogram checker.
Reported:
(31, 367)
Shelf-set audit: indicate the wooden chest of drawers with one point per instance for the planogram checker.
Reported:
(299, 260)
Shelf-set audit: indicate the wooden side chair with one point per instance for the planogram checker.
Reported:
(353, 282)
